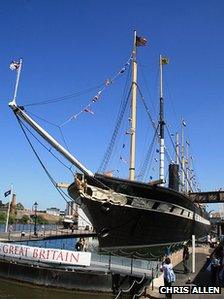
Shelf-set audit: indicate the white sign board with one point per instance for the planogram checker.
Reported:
(47, 255)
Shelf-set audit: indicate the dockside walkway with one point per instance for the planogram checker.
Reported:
(58, 233)
(201, 277)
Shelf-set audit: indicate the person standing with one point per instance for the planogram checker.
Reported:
(84, 248)
(186, 256)
(215, 268)
(168, 275)
(79, 245)
(208, 239)
(10, 228)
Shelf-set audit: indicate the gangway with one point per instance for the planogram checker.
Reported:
(207, 197)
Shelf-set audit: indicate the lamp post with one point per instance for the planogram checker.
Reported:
(35, 218)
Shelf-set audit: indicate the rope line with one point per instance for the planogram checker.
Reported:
(146, 163)
(98, 95)
(110, 147)
(63, 98)
(153, 123)
(53, 124)
(179, 160)
(61, 192)
(43, 119)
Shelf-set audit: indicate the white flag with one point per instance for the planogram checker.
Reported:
(14, 65)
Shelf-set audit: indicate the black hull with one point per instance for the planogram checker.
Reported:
(127, 228)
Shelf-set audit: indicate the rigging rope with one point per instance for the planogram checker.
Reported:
(179, 159)
(64, 140)
(153, 123)
(58, 127)
(61, 192)
(64, 98)
(41, 143)
(86, 108)
(43, 119)
(110, 147)
(121, 153)
(146, 164)
(109, 150)
(147, 87)
(96, 98)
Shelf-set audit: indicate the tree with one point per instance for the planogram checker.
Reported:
(40, 219)
(19, 206)
(2, 217)
(12, 219)
(25, 219)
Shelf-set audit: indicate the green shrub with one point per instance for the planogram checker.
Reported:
(2, 217)
(25, 219)
(12, 219)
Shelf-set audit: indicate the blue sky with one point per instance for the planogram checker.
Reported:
(72, 46)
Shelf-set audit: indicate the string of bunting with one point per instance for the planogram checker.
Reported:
(96, 98)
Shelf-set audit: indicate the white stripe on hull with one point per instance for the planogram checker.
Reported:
(147, 204)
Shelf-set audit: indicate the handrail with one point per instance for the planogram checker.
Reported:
(140, 293)
(130, 288)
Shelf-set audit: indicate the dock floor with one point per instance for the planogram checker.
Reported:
(201, 277)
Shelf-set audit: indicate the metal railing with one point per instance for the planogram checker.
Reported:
(126, 291)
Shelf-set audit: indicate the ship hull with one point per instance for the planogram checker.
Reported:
(152, 219)
(128, 231)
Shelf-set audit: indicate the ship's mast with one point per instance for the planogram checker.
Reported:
(133, 112)
(182, 156)
(23, 115)
(161, 123)
(177, 149)
(18, 71)
(191, 175)
(187, 166)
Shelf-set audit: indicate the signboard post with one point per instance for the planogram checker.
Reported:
(193, 253)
